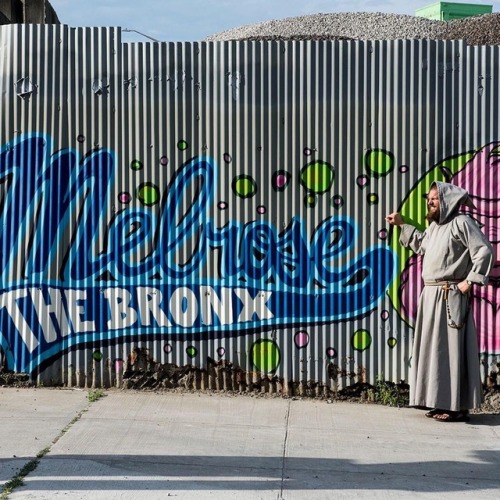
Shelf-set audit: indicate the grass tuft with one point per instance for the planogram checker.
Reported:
(390, 394)
(95, 394)
(18, 479)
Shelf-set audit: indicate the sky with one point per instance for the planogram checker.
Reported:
(193, 20)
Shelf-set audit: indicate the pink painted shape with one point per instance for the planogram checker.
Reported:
(301, 339)
(281, 180)
(480, 177)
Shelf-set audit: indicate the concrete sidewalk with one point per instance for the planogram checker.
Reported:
(132, 445)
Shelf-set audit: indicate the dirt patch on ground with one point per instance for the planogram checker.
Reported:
(491, 402)
(390, 394)
(142, 373)
(8, 379)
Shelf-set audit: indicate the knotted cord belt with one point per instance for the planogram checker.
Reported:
(445, 285)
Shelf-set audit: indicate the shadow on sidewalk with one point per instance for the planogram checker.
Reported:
(178, 472)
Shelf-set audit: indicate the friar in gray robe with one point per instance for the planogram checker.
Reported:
(444, 372)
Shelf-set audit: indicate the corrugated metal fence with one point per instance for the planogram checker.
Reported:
(212, 214)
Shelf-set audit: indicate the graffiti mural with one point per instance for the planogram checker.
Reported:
(140, 272)
(191, 205)
(478, 173)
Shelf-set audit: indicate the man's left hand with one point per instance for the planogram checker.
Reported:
(464, 287)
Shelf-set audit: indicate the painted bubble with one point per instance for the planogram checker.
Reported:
(362, 181)
(222, 205)
(361, 340)
(317, 177)
(136, 165)
(372, 198)
(221, 351)
(167, 348)
(182, 145)
(337, 201)
(261, 209)
(227, 158)
(379, 162)
(81, 138)
(310, 201)
(148, 194)
(244, 186)
(301, 339)
(124, 197)
(118, 365)
(308, 151)
(191, 351)
(265, 355)
(384, 315)
(97, 355)
(281, 180)
(383, 234)
(163, 160)
(391, 342)
(403, 169)
(331, 352)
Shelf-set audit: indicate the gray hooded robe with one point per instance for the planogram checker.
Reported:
(444, 370)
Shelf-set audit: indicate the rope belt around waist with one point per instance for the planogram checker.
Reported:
(445, 285)
(442, 283)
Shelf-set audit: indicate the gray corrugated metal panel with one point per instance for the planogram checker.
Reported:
(254, 108)
(481, 82)
(59, 62)
(4, 79)
(474, 88)
(34, 58)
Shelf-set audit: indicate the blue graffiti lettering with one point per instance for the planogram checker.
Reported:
(88, 272)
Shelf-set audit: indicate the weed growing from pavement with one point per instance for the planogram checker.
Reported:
(95, 394)
(389, 394)
(18, 479)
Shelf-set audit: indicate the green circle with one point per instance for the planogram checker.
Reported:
(182, 145)
(191, 351)
(136, 165)
(372, 198)
(244, 186)
(317, 177)
(361, 340)
(310, 201)
(391, 342)
(97, 355)
(379, 162)
(265, 355)
(148, 194)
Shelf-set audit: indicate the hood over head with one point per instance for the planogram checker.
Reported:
(451, 197)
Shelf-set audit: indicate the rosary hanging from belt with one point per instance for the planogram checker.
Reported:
(451, 321)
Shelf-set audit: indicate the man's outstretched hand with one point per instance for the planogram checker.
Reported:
(395, 219)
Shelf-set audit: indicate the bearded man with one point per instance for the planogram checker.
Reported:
(444, 369)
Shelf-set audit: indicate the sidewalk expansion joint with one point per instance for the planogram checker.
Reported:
(18, 479)
(285, 446)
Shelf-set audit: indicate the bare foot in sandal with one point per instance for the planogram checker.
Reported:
(434, 412)
(451, 416)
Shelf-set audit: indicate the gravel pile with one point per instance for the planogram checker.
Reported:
(478, 30)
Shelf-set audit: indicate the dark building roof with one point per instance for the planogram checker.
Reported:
(27, 11)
